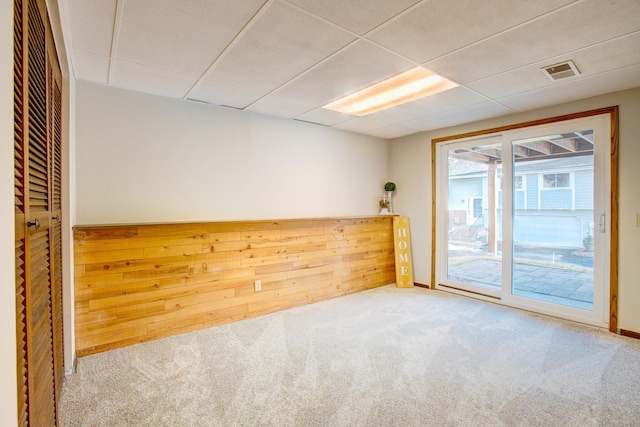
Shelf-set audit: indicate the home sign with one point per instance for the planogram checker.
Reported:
(402, 249)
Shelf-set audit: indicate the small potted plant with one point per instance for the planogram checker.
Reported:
(389, 187)
(588, 242)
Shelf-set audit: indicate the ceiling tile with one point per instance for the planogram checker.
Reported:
(437, 27)
(358, 65)
(279, 107)
(358, 124)
(391, 132)
(620, 52)
(150, 80)
(473, 113)
(181, 36)
(324, 117)
(359, 16)
(91, 24)
(221, 94)
(581, 25)
(613, 81)
(451, 99)
(267, 56)
(90, 67)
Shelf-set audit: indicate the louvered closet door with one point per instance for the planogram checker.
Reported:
(38, 119)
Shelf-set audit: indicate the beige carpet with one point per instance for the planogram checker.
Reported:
(385, 357)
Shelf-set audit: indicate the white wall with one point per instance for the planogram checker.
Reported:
(410, 167)
(8, 400)
(145, 158)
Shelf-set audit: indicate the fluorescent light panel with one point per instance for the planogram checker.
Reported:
(406, 87)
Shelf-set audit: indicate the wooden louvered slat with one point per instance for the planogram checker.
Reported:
(37, 83)
(56, 234)
(18, 105)
(57, 149)
(21, 338)
(40, 329)
(38, 154)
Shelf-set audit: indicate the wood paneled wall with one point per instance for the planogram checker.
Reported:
(137, 283)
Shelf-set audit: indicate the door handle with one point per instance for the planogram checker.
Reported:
(603, 222)
(35, 223)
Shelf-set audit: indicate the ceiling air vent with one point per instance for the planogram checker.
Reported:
(561, 71)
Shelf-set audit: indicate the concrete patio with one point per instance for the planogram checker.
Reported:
(537, 274)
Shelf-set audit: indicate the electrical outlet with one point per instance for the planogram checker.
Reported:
(257, 285)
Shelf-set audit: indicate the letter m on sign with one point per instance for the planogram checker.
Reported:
(402, 250)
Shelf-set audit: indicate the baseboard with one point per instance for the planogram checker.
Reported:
(74, 365)
(630, 334)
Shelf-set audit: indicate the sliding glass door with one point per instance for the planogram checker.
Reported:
(526, 218)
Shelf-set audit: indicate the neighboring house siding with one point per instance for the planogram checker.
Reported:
(584, 189)
(518, 199)
(556, 199)
(460, 189)
(551, 229)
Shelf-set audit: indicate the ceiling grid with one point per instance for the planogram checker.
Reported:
(288, 58)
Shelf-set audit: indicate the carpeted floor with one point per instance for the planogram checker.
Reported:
(385, 357)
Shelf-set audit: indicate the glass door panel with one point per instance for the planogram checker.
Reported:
(553, 219)
(473, 253)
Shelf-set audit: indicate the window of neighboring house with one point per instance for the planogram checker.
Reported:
(556, 191)
(517, 183)
(556, 180)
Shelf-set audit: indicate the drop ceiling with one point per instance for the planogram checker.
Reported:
(287, 58)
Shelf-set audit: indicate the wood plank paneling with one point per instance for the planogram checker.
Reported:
(137, 283)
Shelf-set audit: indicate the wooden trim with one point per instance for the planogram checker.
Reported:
(613, 111)
(615, 184)
(421, 285)
(630, 334)
(532, 123)
(126, 229)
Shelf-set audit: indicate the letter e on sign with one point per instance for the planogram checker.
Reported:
(402, 250)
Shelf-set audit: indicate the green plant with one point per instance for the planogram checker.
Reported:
(588, 240)
(389, 186)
